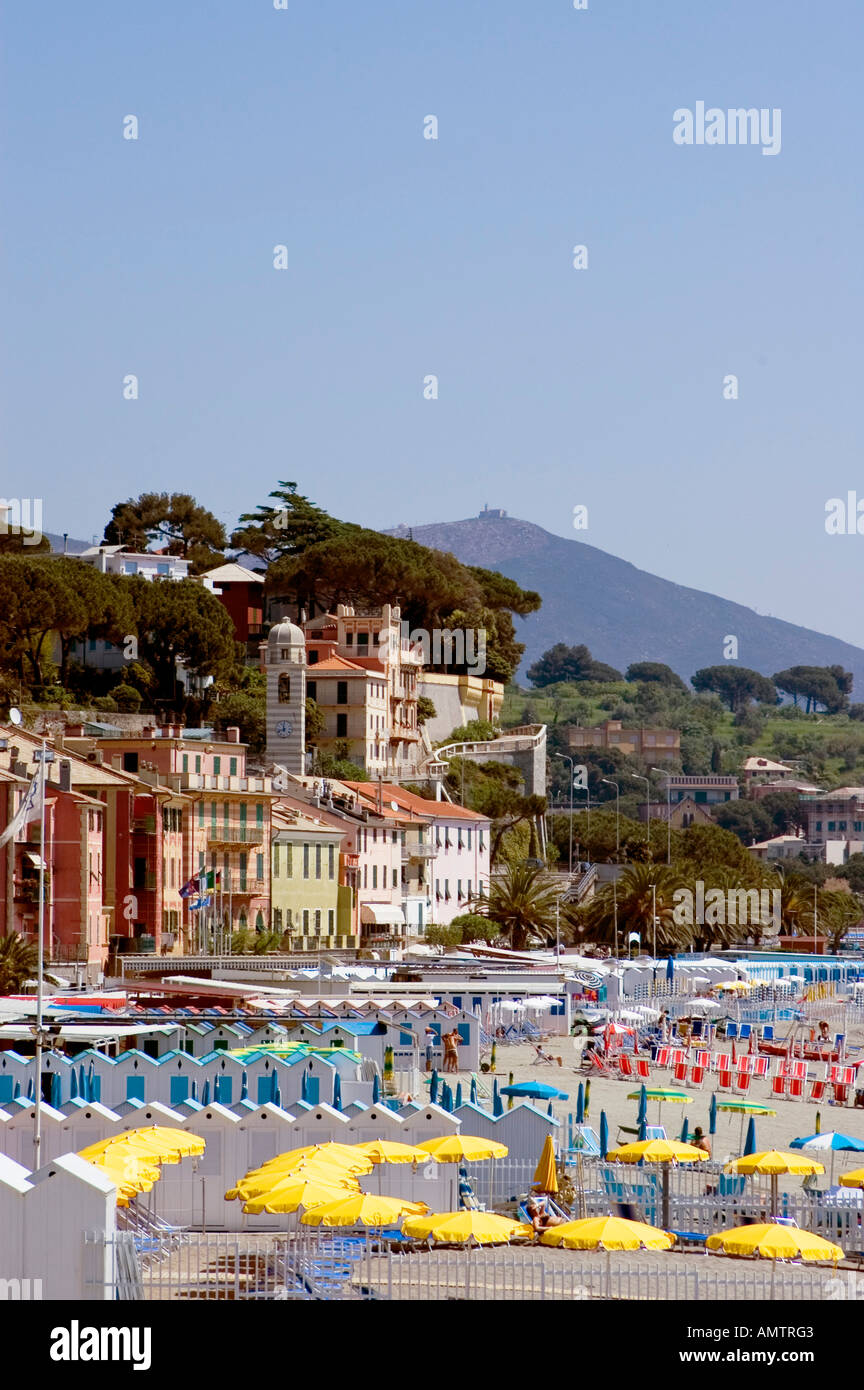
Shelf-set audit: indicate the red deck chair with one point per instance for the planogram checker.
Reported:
(663, 1056)
(724, 1080)
(681, 1071)
(625, 1064)
(761, 1066)
(702, 1059)
(697, 1077)
(778, 1086)
(841, 1094)
(817, 1091)
(796, 1088)
(743, 1082)
(643, 1070)
(745, 1064)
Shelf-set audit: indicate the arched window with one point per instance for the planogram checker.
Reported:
(284, 689)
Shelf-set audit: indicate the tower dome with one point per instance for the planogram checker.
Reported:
(286, 634)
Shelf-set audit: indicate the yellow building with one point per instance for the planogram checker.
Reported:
(306, 896)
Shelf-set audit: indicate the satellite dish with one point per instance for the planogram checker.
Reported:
(15, 716)
(394, 805)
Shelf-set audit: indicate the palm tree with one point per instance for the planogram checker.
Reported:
(637, 890)
(19, 961)
(522, 900)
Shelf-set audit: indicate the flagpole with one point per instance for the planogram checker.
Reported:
(37, 1112)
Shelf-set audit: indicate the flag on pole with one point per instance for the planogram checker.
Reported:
(199, 903)
(189, 889)
(212, 879)
(27, 811)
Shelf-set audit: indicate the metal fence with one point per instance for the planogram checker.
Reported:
(322, 1267)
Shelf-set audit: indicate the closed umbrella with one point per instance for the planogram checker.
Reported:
(458, 1101)
(17, 1092)
(195, 1091)
(509, 1092)
(56, 1091)
(497, 1102)
(73, 1086)
(549, 1111)
(447, 1097)
(94, 1084)
(244, 1086)
(337, 1091)
(712, 1114)
(388, 1064)
(587, 1098)
(376, 1090)
(643, 1131)
(205, 1093)
(642, 1113)
(31, 1093)
(277, 1094)
(474, 1097)
(493, 1058)
(750, 1143)
(685, 1131)
(580, 1105)
(82, 1084)
(546, 1174)
(818, 1122)
(304, 1089)
(433, 1089)
(604, 1133)
(670, 969)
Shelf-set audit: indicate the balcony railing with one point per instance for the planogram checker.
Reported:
(228, 836)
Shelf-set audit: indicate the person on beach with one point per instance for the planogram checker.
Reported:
(541, 1219)
(824, 1035)
(700, 1142)
(451, 1051)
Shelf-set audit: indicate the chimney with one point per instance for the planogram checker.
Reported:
(148, 731)
(232, 734)
(65, 771)
(74, 731)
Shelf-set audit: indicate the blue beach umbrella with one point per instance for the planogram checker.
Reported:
(712, 1115)
(497, 1102)
(643, 1130)
(537, 1090)
(685, 1130)
(94, 1083)
(829, 1142)
(750, 1145)
(580, 1105)
(376, 1090)
(670, 969)
(17, 1092)
(73, 1087)
(56, 1091)
(82, 1083)
(304, 1089)
(458, 1094)
(604, 1133)
(277, 1096)
(447, 1097)
(474, 1096)
(31, 1094)
(205, 1093)
(550, 1111)
(195, 1090)
(642, 1113)
(337, 1091)
(587, 1098)
(244, 1086)
(433, 1089)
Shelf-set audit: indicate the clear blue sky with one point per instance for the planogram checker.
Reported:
(408, 257)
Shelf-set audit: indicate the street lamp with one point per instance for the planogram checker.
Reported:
(610, 783)
(565, 759)
(647, 780)
(664, 772)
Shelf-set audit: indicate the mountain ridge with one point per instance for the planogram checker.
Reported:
(622, 613)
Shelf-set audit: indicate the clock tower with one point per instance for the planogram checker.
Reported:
(284, 655)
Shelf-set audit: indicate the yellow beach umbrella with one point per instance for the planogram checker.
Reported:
(155, 1143)
(853, 1179)
(656, 1151)
(546, 1175)
(607, 1233)
(388, 1151)
(363, 1209)
(129, 1175)
(465, 1228)
(775, 1243)
(462, 1148)
(774, 1161)
(345, 1156)
(292, 1194)
(250, 1188)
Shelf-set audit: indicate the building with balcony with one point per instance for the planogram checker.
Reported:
(309, 900)
(363, 674)
(657, 745)
(708, 790)
(835, 822)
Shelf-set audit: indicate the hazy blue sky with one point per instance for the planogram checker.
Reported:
(410, 256)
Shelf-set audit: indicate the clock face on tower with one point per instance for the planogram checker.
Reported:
(283, 728)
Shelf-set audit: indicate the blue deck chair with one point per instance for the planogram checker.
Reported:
(731, 1030)
(768, 1033)
(745, 1031)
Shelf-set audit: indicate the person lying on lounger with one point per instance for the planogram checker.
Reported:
(540, 1217)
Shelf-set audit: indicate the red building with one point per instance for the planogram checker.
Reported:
(241, 592)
